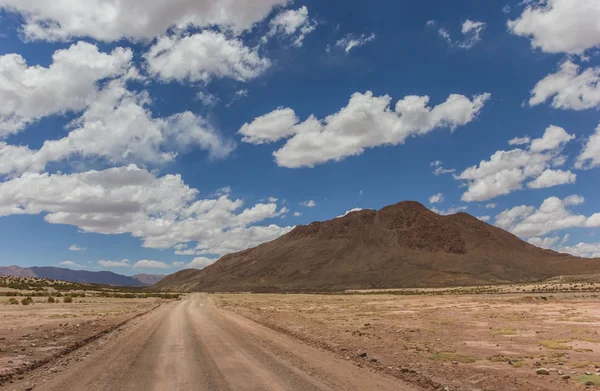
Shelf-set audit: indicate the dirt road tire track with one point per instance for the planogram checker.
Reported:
(193, 345)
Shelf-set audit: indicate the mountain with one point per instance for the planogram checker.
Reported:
(101, 278)
(402, 245)
(149, 279)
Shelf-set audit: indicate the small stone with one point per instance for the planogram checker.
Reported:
(373, 359)
(542, 371)
(33, 345)
(590, 383)
(404, 370)
(455, 362)
(362, 355)
(347, 357)
(561, 373)
(566, 377)
(10, 361)
(588, 373)
(561, 363)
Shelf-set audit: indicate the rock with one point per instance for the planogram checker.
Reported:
(10, 361)
(455, 362)
(404, 370)
(373, 359)
(561, 363)
(362, 355)
(347, 357)
(542, 371)
(588, 373)
(367, 324)
(598, 370)
(590, 383)
(33, 345)
(566, 377)
(446, 388)
(561, 373)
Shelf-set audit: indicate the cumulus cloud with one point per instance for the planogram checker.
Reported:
(585, 250)
(590, 155)
(547, 243)
(484, 218)
(350, 211)
(436, 198)
(308, 204)
(201, 262)
(491, 205)
(553, 215)
(351, 41)
(123, 263)
(520, 141)
(297, 214)
(77, 248)
(161, 210)
(202, 57)
(560, 26)
(118, 126)
(366, 122)
(68, 84)
(68, 263)
(292, 23)
(451, 211)
(148, 264)
(506, 171)
(568, 88)
(111, 20)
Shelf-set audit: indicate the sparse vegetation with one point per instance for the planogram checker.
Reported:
(451, 356)
(13, 301)
(68, 299)
(559, 344)
(27, 300)
(586, 379)
(51, 299)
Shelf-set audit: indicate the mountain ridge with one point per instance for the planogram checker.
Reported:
(80, 276)
(401, 245)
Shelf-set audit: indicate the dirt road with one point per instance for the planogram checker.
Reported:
(193, 345)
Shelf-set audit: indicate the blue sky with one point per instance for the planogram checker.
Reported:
(138, 138)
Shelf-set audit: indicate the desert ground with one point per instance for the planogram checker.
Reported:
(484, 338)
(457, 338)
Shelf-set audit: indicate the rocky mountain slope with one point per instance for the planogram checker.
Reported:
(402, 245)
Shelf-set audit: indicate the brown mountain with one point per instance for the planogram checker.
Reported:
(402, 245)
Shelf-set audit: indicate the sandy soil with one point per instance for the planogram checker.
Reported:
(192, 345)
(463, 342)
(32, 334)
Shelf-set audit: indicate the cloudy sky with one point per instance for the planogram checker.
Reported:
(151, 136)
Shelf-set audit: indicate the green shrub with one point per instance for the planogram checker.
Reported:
(68, 299)
(27, 300)
(51, 299)
(13, 301)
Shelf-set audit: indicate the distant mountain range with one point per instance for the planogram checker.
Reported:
(83, 276)
(402, 245)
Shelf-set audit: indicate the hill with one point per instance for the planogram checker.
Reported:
(82, 276)
(402, 245)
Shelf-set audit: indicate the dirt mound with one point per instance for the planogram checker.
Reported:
(402, 245)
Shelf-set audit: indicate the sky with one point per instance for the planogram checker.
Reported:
(146, 137)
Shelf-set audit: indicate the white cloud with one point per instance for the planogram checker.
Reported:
(77, 248)
(117, 126)
(297, 214)
(162, 211)
(519, 141)
(569, 89)
(439, 169)
(566, 238)
(308, 204)
(366, 122)
(68, 84)
(586, 250)
(550, 178)
(350, 211)
(111, 20)
(506, 171)
(123, 263)
(147, 264)
(560, 26)
(200, 262)
(484, 218)
(506, 9)
(548, 242)
(436, 198)
(202, 57)
(189, 251)
(68, 263)
(553, 215)
(491, 205)
(590, 154)
(470, 29)
(451, 211)
(292, 23)
(350, 41)
(208, 99)
(272, 199)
